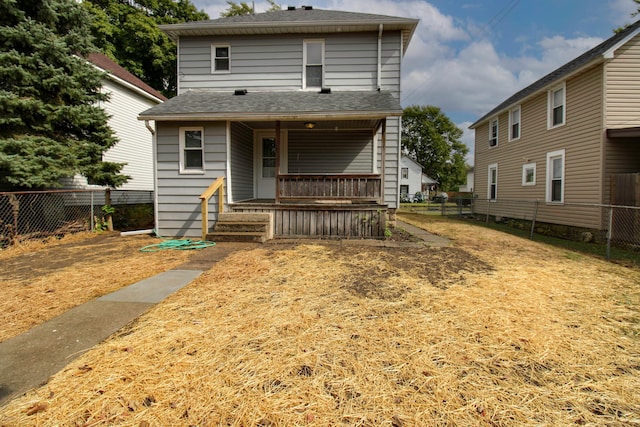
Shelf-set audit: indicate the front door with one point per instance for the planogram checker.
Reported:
(266, 170)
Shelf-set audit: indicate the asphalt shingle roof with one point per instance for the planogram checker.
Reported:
(560, 73)
(257, 105)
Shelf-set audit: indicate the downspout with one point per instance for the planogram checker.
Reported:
(155, 174)
(379, 77)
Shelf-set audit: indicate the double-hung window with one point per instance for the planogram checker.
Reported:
(191, 150)
(313, 59)
(220, 58)
(492, 192)
(557, 106)
(514, 124)
(404, 173)
(493, 132)
(555, 176)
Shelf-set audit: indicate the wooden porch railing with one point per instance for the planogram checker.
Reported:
(355, 187)
(217, 185)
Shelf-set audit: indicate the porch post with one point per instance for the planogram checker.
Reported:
(383, 158)
(277, 161)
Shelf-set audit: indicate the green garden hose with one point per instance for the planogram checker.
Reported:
(181, 245)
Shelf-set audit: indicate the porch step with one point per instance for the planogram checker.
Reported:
(242, 227)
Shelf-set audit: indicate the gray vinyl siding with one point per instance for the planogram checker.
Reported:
(580, 137)
(330, 152)
(178, 194)
(392, 163)
(275, 63)
(241, 162)
(623, 87)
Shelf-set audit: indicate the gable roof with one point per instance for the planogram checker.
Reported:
(297, 105)
(114, 70)
(404, 156)
(600, 53)
(297, 20)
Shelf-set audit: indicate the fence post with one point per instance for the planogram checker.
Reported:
(533, 221)
(91, 214)
(107, 202)
(610, 232)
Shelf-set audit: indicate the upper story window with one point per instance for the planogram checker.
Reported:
(191, 150)
(557, 106)
(405, 173)
(220, 58)
(555, 176)
(514, 123)
(313, 59)
(493, 132)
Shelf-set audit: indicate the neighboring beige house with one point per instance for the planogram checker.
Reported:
(560, 140)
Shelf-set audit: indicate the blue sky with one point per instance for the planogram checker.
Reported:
(469, 55)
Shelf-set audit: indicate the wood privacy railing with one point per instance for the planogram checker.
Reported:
(348, 187)
(217, 185)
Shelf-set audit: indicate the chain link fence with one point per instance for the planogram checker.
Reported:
(609, 228)
(37, 215)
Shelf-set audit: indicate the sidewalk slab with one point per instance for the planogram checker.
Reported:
(154, 289)
(429, 239)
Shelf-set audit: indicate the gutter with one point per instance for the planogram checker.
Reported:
(379, 77)
(154, 150)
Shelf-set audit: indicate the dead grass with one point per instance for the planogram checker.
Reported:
(511, 332)
(41, 280)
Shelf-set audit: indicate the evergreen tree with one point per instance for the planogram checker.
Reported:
(433, 140)
(51, 126)
(127, 32)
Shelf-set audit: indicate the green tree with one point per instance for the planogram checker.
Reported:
(128, 33)
(433, 140)
(243, 8)
(51, 126)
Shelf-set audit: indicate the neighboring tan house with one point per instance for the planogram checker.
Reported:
(128, 96)
(410, 177)
(297, 112)
(561, 140)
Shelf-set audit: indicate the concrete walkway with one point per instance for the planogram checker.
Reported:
(28, 360)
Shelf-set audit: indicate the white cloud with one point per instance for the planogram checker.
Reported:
(621, 11)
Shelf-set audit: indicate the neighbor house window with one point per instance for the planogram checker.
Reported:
(492, 193)
(493, 133)
(191, 150)
(405, 173)
(313, 56)
(514, 124)
(221, 59)
(555, 176)
(404, 189)
(557, 106)
(529, 174)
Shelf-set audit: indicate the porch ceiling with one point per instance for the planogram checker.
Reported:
(631, 132)
(319, 125)
(284, 106)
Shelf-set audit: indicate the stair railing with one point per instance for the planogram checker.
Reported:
(217, 185)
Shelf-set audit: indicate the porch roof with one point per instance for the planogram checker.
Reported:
(297, 105)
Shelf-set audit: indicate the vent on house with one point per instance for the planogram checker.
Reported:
(291, 8)
(307, 7)
(325, 90)
(240, 92)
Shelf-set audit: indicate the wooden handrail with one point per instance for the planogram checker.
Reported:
(218, 184)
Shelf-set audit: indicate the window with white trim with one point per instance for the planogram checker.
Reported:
(404, 173)
(191, 150)
(492, 189)
(557, 106)
(220, 58)
(529, 174)
(493, 132)
(514, 123)
(313, 59)
(555, 176)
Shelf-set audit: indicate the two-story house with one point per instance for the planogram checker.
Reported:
(410, 177)
(294, 113)
(564, 139)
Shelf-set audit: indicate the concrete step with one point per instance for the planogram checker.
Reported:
(233, 236)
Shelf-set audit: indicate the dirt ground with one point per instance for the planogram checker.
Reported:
(492, 331)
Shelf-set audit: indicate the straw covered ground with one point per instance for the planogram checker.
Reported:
(41, 280)
(492, 331)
